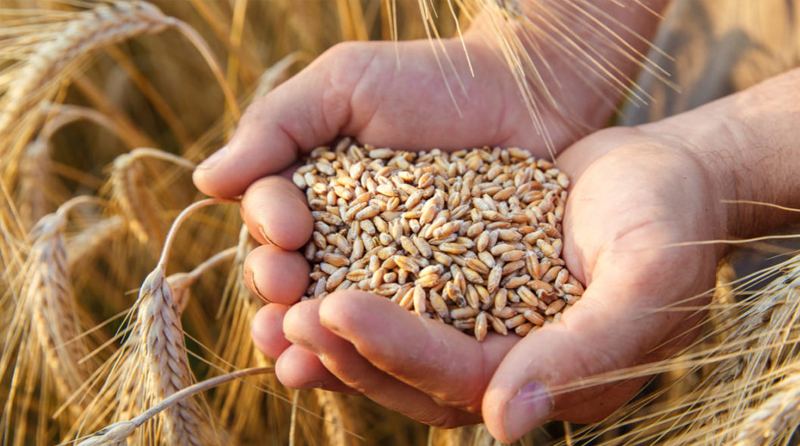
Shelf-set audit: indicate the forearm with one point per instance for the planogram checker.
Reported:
(751, 143)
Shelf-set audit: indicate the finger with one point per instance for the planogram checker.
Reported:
(276, 213)
(449, 365)
(275, 275)
(306, 111)
(302, 325)
(267, 330)
(360, 89)
(623, 388)
(300, 368)
(612, 327)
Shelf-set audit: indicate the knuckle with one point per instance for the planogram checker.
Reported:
(442, 418)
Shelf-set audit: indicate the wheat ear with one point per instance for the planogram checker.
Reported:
(129, 192)
(57, 57)
(45, 326)
(118, 433)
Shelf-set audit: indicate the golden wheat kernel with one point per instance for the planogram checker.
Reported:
(357, 275)
(476, 229)
(545, 298)
(540, 285)
(459, 279)
(510, 267)
(472, 296)
(551, 274)
(335, 279)
(516, 281)
(452, 248)
(435, 269)
(464, 324)
(438, 304)
(463, 313)
(390, 277)
(386, 252)
(407, 264)
(561, 278)
(419, 298)
(500, 298)
(477, 265)
(534, 317)
(504, 313)
(381, 153)
(514, 321)
(481, 326)
(387, 289)
(451, 291)
(555, 307)
(336, 260)
(573, 287)
(512, 255)
(385, 239)
(527, 296)
(472, 276)
(497, 325)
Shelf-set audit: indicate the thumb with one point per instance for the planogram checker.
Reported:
(307, 111)
(615, 325)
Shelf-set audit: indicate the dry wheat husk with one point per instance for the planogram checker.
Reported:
(152, 365)
(471, 238)
(133, 196)
(738, 378)
(44, 348)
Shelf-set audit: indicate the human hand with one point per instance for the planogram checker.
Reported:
(643, 188)
(642, 201)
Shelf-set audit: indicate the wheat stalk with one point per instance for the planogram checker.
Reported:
(118, 433)
(338, 418)
(166, 366)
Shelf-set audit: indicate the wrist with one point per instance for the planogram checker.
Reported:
(748, 143)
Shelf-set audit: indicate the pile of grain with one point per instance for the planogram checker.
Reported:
(471, 238)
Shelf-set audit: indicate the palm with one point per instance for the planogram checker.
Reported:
(634, 202)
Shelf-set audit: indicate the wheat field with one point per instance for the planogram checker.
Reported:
(124, 316)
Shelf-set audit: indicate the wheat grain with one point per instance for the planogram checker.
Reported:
(443, 233)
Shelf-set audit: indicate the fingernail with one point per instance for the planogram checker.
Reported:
(528, 409)
(254, 286)
(215, 157)
(269, 241)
